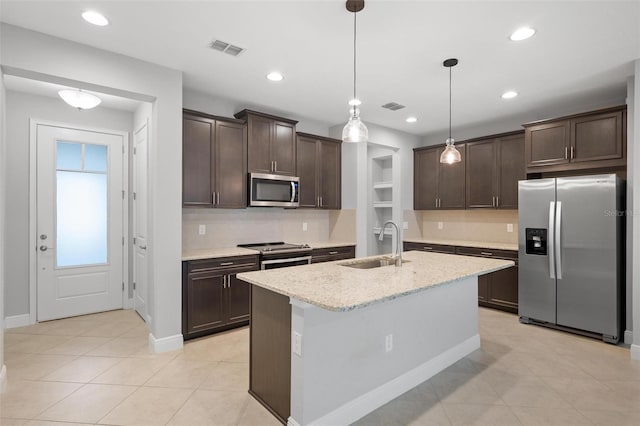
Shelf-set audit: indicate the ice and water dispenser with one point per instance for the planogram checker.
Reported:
(536, 241)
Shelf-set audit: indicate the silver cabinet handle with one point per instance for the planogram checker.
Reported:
(226, 263)
(566, 152)
(486, 253)
(558, 232)
(321, 202)
(228, 281)
(333, 252)
(550, 241)
(436, 200)
(275, 166)
(427, 248)
(293, 191)
(497, 201)
(224, 281)
(493, 201)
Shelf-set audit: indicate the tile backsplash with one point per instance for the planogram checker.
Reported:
(471, 225)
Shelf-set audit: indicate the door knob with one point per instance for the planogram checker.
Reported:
(43, 248)
(43, 236)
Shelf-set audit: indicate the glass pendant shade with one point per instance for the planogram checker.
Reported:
(355, 130)
(450, 154)
(79, 99)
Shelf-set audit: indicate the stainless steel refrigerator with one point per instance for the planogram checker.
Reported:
(571, 252)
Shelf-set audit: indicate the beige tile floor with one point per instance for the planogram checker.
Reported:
(97, 369)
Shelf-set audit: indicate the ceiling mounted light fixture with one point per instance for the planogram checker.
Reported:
(95, 18)
(450, 154)
(411, 119)
(275, 76)
(522, 33)
(355, 130)
(509, 95)
(79, 99)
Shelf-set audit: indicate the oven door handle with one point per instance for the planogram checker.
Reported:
(289, 259)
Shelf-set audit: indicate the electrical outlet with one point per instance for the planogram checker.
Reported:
(304, 226)
(405, 225)
(388, 343)
(202, 229)
(440, 225)
(509, 227)
(297, 343)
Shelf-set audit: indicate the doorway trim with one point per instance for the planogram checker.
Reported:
(33, 273)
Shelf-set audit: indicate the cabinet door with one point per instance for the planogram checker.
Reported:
(329, 178)
(307, 171)
(197, 137)
(483, 287)
(510, 151)
(596, 137)
(259, 145)
(451, 182)
(205, 297)
(230, 165)
(547, 144)
(481, 174)
(283, 148)
(425, 179)
(238, 302)
(503, 289)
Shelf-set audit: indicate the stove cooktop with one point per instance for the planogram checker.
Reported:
(275, 247)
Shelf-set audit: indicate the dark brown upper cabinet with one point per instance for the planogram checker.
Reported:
(272, 143)
(214, 152)
(438, 186)
(494, 166)
(591, 140)
(319, 165)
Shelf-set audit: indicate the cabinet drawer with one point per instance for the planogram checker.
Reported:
(333, 253)
(436, 248)
(485, 252)
(219, 263)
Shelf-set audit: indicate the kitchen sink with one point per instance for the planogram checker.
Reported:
(371, 263)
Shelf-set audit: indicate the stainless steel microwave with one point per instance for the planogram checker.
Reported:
(266, 190)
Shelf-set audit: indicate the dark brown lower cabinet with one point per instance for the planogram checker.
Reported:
(331, 254)
(213, 299)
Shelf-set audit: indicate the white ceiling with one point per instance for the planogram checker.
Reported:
(582, 51)
(43, 88)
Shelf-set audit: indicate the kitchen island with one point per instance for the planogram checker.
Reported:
(332, 342)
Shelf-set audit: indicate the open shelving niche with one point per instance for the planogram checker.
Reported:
(384, 197)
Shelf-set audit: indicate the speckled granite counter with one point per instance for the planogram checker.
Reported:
(465, 243)
(218, 252)
(335, 287)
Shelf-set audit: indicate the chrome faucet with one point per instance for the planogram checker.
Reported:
(398, 253)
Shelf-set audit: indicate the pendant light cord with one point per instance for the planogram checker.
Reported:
(355, 14)
(450, 102)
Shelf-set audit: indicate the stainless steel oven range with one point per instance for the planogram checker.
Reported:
(280, 254)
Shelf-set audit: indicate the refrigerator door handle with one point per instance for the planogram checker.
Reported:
(557, 234)
(551, 240)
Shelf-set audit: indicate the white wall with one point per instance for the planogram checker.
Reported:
(3, 199)
(27, 53)
(204, 102)
(20, 108)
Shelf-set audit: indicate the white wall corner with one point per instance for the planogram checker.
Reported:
(635, 352)
(165, 344)
(3, 378)
(17, 321)
(628, 337)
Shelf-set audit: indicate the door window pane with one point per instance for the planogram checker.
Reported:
(81, 213)
(95, 158)
(69, 156)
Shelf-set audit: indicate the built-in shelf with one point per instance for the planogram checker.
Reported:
(382, 185)
(382, 205)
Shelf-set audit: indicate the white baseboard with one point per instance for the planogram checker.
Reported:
(364, 404)
(165, 344)
(628, 337)
(17, 321)
(635, 352)
(3, 378)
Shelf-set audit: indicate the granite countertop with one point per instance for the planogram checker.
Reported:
(339, 288)
(465, 243)
(217, 252)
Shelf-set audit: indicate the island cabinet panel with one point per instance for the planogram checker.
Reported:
(332, 254)
(270, 343)
(435, 185)
(214, 153)
(272, 143)
(319, 167)
(435, 248)
(213, 299)
(591, 140)
(497, 289)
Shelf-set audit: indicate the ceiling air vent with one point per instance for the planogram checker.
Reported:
(227, 48)
(393, 106)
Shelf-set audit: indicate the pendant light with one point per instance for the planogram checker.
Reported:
(450, 154)
(355, 130)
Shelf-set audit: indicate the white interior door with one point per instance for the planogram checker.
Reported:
(140, 220)
(79, 237)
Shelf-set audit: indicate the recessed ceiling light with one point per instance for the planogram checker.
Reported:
(274, 76)
(509, 94)
(411, 119)
(79, 99)
(95, 18)
(355, 102)
(522, 34)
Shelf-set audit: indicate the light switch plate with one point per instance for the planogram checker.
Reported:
(440, 225)
(304, 226)
(405, 225)
(296, 346)
(202, 229)
(509, 227)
